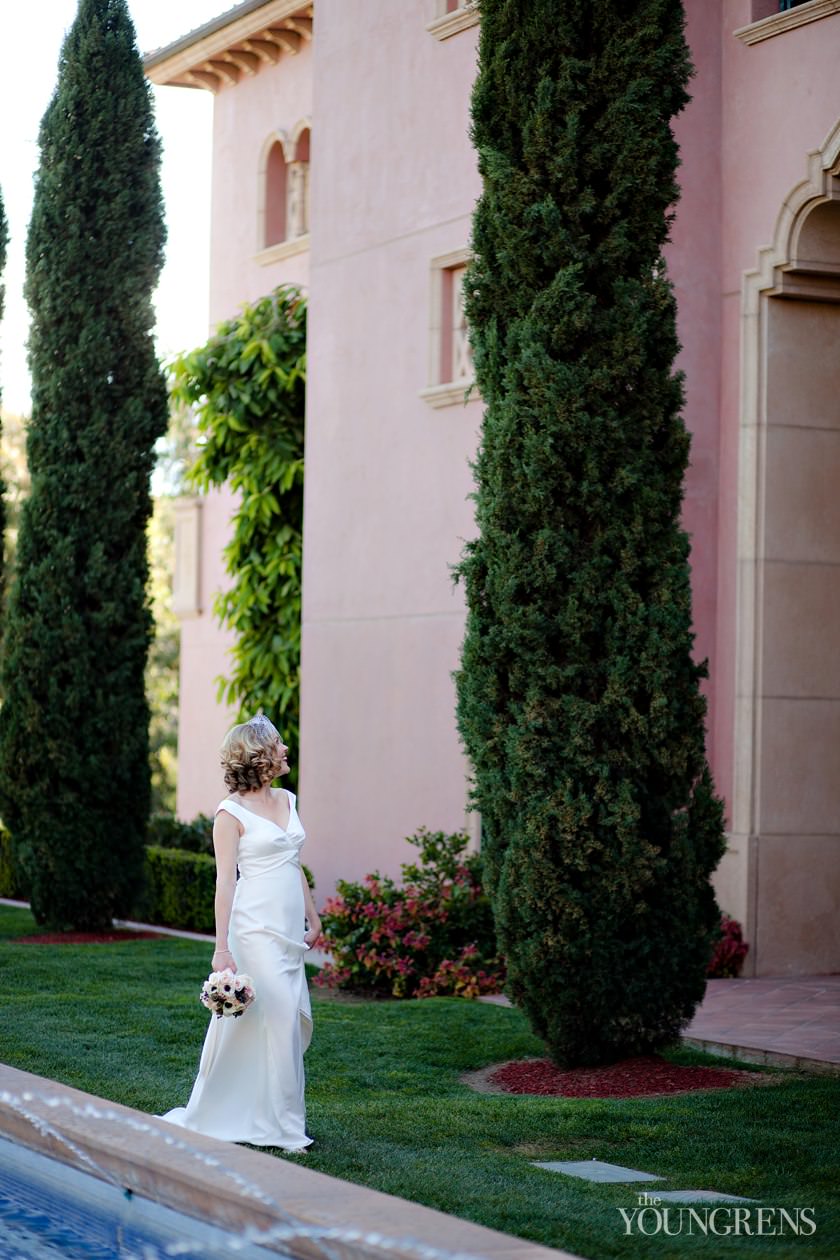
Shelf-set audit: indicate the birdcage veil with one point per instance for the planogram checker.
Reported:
(263, 724)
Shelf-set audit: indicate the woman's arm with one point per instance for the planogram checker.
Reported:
(225, 844)
(314, 930)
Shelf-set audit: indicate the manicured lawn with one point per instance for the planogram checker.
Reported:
(386, 1108)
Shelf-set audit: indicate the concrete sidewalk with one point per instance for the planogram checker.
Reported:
(315, 956)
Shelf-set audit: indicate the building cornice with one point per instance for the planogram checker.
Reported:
(233, 46)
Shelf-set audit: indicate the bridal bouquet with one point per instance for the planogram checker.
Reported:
(227, 993)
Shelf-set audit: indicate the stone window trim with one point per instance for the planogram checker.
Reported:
(268, 251)
(438, 392)
(788, 20)
(284, 249)
(449, 22)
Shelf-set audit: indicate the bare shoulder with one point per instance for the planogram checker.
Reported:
(224, 824)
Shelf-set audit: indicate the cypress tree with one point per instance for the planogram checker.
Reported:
(579, 702)
(74, 726)
(4, 241)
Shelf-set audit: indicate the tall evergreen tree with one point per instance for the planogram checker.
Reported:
(578, 699)
(74, 772)
(4, 241)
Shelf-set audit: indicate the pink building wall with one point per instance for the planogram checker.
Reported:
(393, 185)
(693, 258)
(386, 509)
(781, 98)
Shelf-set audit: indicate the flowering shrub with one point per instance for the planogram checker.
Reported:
(431, 935)
(730, 951)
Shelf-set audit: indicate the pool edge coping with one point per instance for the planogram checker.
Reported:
(152, 1168)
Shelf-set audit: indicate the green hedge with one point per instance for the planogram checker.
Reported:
(180, 889)
(179, 886)
(168, 832)
(11, 877)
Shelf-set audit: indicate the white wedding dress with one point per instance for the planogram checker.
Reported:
(250, 1079)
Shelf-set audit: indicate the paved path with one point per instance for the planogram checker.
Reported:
(789, 1021)
(778, 1020)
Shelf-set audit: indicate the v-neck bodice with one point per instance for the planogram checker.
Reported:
(264, 846)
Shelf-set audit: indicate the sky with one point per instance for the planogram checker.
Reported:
(30, 43)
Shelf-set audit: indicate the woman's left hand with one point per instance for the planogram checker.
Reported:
(312, 933)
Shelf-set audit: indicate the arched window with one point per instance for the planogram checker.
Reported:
(297, 188)
(276, 194)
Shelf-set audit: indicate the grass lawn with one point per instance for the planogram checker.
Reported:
(386, 1108)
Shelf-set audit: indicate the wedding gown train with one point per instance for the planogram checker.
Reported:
(250, 1083)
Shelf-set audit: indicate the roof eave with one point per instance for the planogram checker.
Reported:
(234, 44)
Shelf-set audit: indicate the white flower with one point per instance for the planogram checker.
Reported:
(226, 992)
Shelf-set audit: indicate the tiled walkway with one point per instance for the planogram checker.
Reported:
(786, 1021)
(776, 1020)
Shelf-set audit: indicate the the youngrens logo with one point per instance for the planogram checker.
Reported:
(650, 1218)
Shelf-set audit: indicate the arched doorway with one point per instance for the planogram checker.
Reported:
(786, 808)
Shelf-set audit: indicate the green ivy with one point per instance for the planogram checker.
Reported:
(247, 386)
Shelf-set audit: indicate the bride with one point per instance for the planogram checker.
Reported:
(250, 1083)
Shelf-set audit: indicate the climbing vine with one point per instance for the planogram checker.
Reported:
(247, 388)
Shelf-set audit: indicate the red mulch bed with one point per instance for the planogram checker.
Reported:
(629, 1078)
(87, 938)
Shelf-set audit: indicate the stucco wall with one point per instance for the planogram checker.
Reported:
(393, 185)
(244, 118)
(394, 182)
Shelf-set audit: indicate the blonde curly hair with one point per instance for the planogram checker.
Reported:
(249, 755)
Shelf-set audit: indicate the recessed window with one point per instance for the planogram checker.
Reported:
(297, 197)
(456, 352)
(766, 8)
(451, 370)
(276, 193)
(283, 198)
